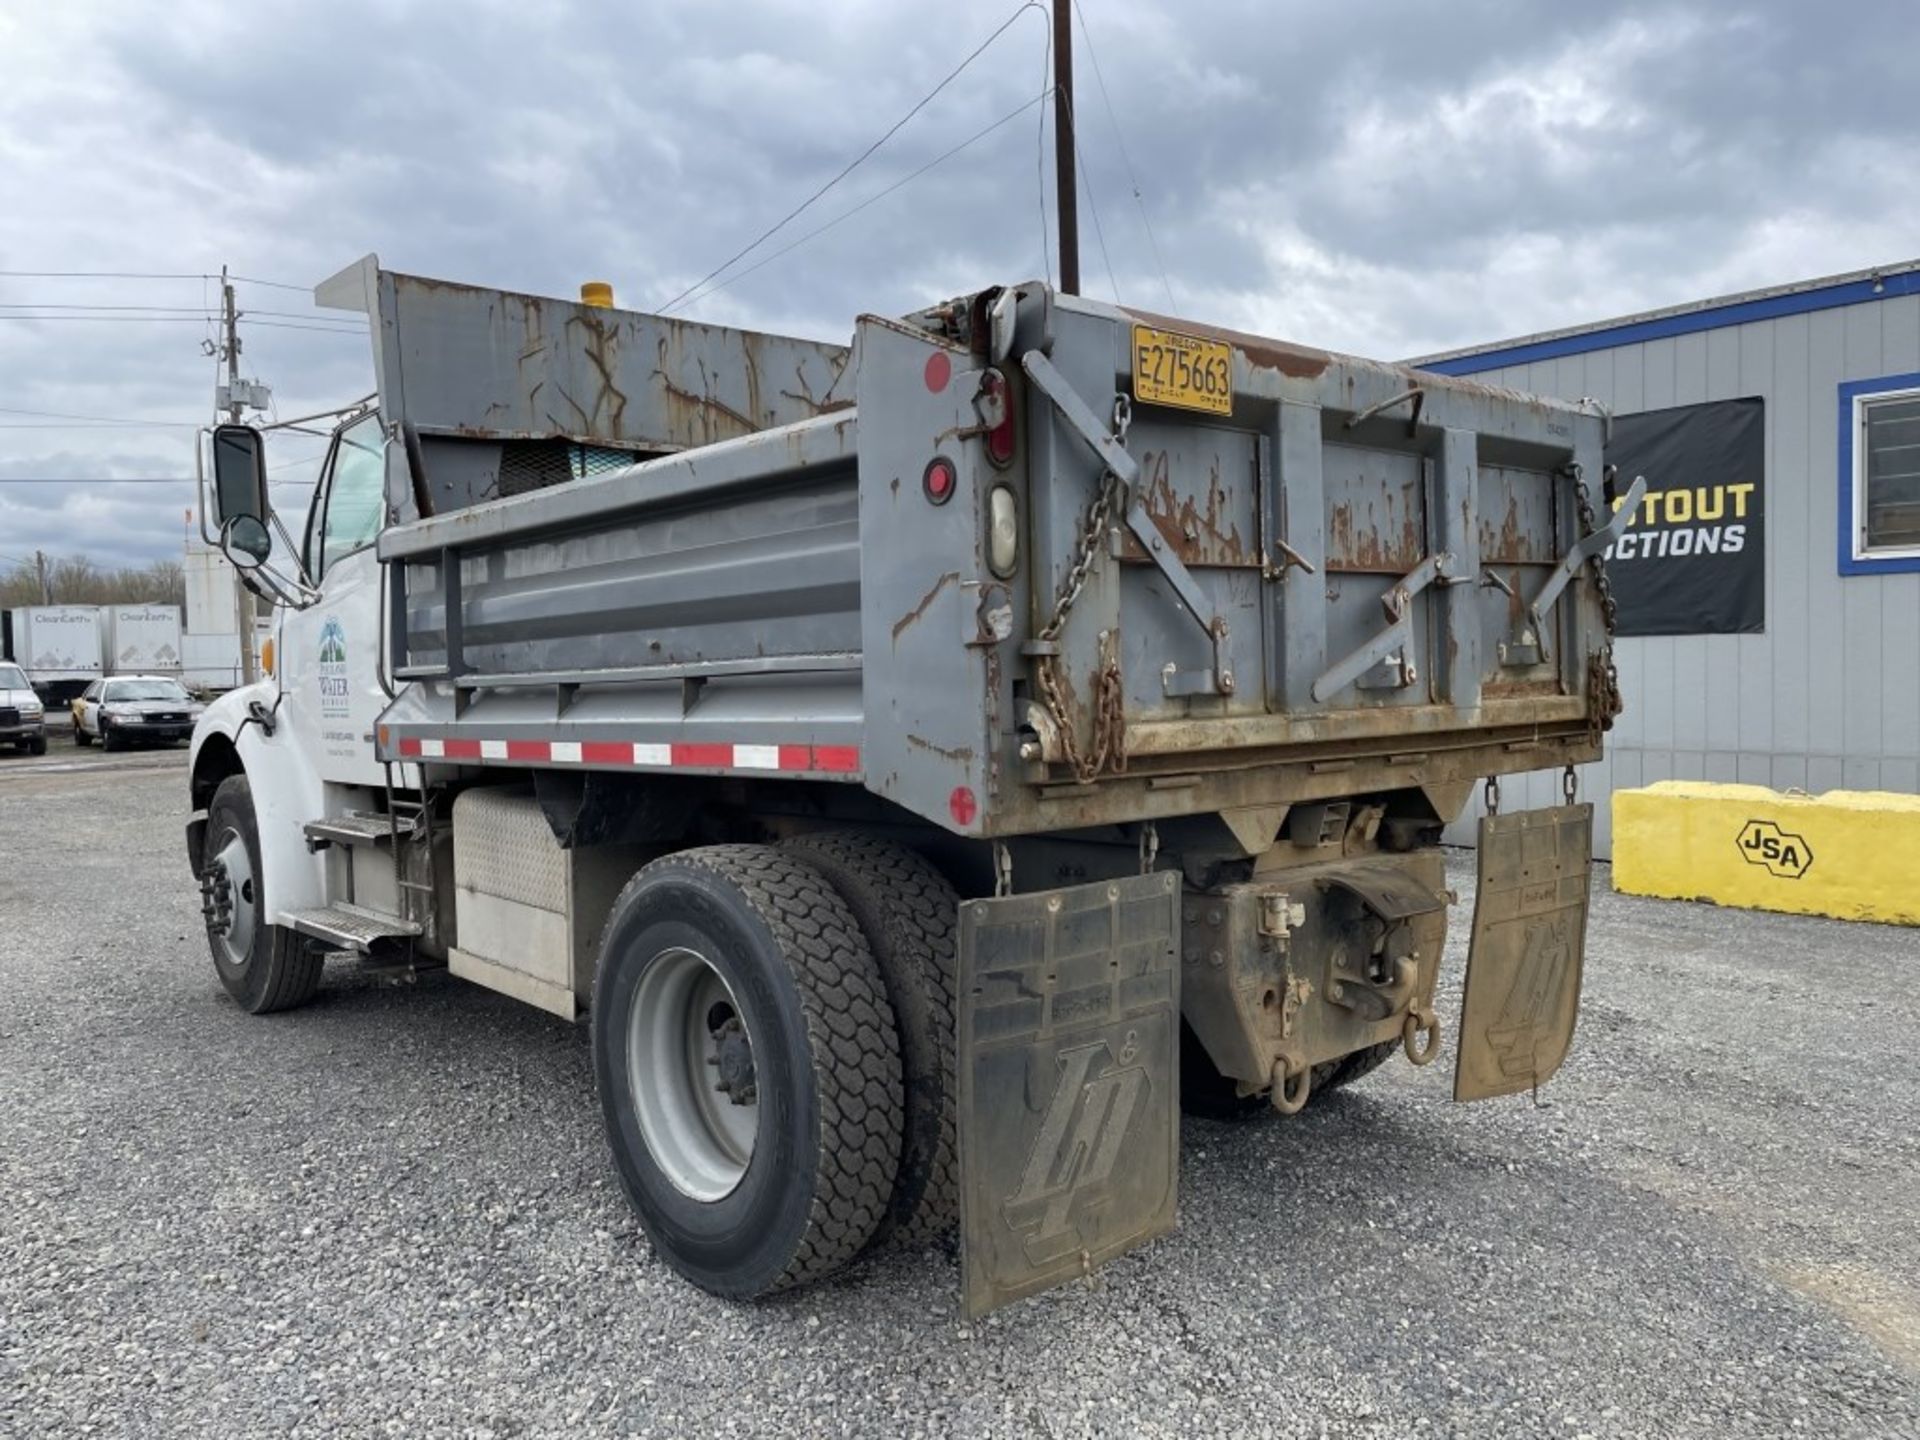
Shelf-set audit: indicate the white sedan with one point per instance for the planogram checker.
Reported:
(134, 707)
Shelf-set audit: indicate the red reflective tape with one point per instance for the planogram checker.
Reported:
(606, 752)
(842, 758)
(529, 750)
(461, 749)
(716, 757)
(796, 757)
(409, 745)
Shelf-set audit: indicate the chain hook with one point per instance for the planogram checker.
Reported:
(1493, 795)
(1149, 847)
(1002, 870)
(1570, 785)
(1122, 417)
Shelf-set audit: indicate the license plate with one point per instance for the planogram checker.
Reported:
(1182, 370)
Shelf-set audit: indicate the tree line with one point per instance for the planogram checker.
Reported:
(76, 580)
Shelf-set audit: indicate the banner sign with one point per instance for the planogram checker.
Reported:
(1693, 560)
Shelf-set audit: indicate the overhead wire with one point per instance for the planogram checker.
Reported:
(1119, 136)
(1040, 162)
(905, 180)
(95, 419)
(1093, 205)
(853, 164)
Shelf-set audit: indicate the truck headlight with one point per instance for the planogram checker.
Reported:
(32, 710)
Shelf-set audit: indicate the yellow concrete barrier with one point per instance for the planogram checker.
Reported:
(1851, 854)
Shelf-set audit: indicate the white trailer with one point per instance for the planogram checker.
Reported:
(210, 661)
(59, 646)
(142, 639)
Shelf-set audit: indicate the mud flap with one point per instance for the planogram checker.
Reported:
(1069, 1072)
(1529, 942)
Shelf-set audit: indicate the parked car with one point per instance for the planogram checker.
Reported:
(23, 720)
(127, 708)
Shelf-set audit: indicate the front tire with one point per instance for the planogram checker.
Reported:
(37, 745)
(733, 977)
(263, 967)
(108, 740)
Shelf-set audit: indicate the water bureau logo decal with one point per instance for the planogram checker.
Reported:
(335, 700)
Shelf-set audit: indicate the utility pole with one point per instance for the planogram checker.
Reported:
(1068, 203)
(243, 608)
(46, 585)
(230, 323)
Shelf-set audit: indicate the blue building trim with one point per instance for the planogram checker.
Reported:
(1743, 312)
(1850, 564)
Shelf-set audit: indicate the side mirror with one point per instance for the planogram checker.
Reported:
(239, 478)
(245, 541)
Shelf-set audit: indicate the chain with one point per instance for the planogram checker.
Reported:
(1109, 701)
(1603, 675)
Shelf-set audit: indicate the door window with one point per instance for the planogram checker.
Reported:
(356, 502)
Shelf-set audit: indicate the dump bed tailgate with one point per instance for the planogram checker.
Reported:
(1252, 575)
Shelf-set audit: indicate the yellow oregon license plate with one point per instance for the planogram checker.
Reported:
(1182, 370)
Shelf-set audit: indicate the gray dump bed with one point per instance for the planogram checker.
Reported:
(1243, 574)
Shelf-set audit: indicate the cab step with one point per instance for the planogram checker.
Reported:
(359, 827)
(350, 926)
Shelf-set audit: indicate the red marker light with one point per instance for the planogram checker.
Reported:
(939, 371)
(940, 481)
(962, 805)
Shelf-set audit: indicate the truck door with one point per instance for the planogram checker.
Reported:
(329, 653)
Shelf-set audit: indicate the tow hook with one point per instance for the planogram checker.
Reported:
(1418, 1023)
(1291, 1086)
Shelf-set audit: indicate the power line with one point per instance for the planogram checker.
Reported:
(845, 215)
(1120, 137)
(97, 419)
(1040, 162)
(1099, 233)
(117, 319)
(246, 319)
(143, 275)
(272, 284)
(856, 162)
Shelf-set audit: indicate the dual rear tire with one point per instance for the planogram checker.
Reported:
(772, 1045)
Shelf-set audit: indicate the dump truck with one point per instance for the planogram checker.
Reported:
(926, 766)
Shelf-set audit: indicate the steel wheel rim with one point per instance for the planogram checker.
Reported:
(234, 864)
(699, 1137)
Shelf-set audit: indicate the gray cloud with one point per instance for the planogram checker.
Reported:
(1387, 179)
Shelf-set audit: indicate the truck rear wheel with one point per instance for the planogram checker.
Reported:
(909, 914)
(262, 966)
(748, 1069)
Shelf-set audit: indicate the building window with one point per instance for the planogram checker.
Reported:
(1880, 475)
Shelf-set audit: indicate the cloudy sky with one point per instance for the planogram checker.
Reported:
(1387, 179)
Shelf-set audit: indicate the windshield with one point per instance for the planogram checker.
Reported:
(12, 677)
(146, 690)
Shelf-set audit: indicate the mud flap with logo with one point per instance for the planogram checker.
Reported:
(1069, 1067)
(1529, 941)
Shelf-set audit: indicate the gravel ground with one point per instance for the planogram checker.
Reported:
(390, 1213)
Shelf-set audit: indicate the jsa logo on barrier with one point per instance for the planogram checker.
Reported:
(1783, 853)
(1073, 1155)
